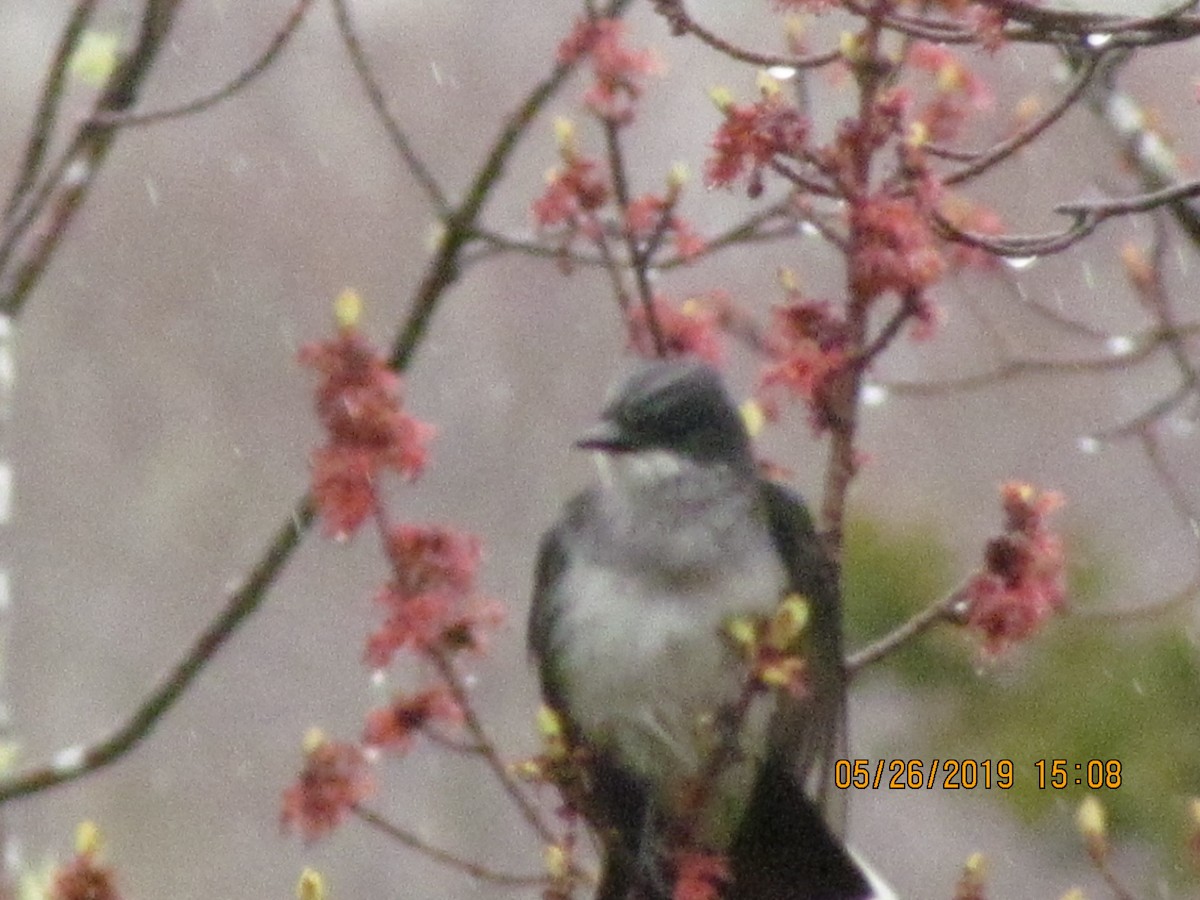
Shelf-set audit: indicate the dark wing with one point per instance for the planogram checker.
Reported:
(811, 731)
(786, 847)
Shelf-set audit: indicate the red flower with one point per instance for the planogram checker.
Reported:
(571, 194)
(893, 248)
(699, 876)
(749, 139)
(618, 69)
(1022, 582)
(430, 602)
(336, 777)
(690, 330)
(84, 878)
(358, 403)
(807, 344)
(394, 726)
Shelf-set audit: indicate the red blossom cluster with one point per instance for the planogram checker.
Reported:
(395, 726)
(573, 197)
(807, 343)
(618, 68)
(894, 250)
(84, 878)
(958, 90)
(358, 403)
(430, 603)
(689, 329)
(430, 600)
(1023, 579)
(750, 137)
(336, 777)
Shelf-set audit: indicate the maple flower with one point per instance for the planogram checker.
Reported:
(893, 247)
(750, 137)
(84, 877)
(430, 602)
(619, 70)
(358, 401)
(699, 876)
(394, 727)
(807, 343)
(336, 777)
(1022, 582)
(651, 214)
(572, 195)
(687, 329)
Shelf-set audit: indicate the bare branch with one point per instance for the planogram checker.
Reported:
(243, 79)
(400, 141)
(445, 857)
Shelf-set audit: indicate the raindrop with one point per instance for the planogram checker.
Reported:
(1088, 444)
(1120, 345)
(69, 759)
(379, 678)
(1138, 688)
(152, 191)
(874, 395)
(437, 73)
(1096, 41)
(808, 229)
(782, 73)
(1020, 262)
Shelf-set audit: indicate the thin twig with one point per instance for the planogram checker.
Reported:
(444, 857)
(948, 609)
(47, 110)
(400, 141)
(243, 79)
(75, 762)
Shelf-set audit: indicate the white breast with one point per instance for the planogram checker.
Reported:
(646, 664)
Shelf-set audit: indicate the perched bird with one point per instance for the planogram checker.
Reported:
(635, 586)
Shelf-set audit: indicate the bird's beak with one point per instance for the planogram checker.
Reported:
(604, 437)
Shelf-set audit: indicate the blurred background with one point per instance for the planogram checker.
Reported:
(162, 431)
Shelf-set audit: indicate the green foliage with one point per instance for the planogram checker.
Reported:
(1088, 688)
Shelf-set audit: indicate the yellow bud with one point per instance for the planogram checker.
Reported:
(314, 739)
(549, 723)
(558, 862)
(753, 417)
(783, 673)
(1194, 811)
(950, 77)
(311, 886)
(788, 280)
(347, 308)
(851, 47)
(1073, 894)
(87, 838)
(789, 621)
(9, 752)
(768, 86)
(1092, 824)
(976, 865)
(721, 97)
(678, 176)
(743, 631)
(528, 770)
(564, 137)
(95, 57)
(793, 29)
(918, 134)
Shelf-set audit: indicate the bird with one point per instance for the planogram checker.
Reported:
(635, 587)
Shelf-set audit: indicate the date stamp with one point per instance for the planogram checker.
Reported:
(973, 774)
